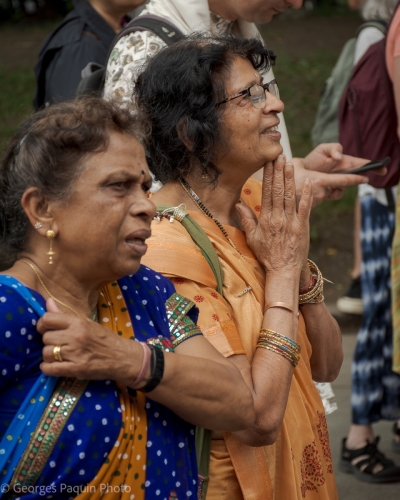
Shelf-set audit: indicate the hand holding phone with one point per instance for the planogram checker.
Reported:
(373, 165)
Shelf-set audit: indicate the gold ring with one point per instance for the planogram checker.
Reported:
(57, 353)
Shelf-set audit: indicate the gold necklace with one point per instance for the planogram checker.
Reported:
(93, 314)
(204, 209)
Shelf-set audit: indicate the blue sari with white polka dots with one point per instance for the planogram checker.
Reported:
(95, 422)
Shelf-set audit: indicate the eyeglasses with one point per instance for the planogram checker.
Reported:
(257, 93)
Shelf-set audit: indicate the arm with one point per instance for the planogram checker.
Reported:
(326, 342)
(91, 351)
(267, 375)
(125, 64)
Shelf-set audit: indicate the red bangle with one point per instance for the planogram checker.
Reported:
(145, 364)
(310, 284)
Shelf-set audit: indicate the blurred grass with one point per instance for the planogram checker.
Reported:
(16, 93)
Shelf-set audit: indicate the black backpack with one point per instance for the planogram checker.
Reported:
(93, 82)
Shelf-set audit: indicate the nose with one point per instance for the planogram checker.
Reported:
(272, 104)
(295, 4)
(143, 207)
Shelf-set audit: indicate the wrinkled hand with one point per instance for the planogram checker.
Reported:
(89, 350)
(319, 166)
(280, 237)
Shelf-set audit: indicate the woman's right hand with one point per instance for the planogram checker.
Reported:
(280, 236)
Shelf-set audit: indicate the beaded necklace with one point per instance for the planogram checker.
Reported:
(204, 209)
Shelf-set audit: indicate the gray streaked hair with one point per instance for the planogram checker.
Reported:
(378, 9)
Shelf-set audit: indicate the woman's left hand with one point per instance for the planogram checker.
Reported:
(89, 351)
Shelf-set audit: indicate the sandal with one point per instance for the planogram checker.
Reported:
(363, 470)
(396, 444)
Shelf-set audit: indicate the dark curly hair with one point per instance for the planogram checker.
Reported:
(179, 89)
(48, 152)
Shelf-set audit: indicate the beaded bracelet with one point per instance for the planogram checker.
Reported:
(280, 344)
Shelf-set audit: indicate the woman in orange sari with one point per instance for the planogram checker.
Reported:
(214, 123)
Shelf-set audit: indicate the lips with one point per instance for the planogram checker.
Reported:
(271, 130)
(137, 241)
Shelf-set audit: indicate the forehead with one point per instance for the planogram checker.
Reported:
(241, 75)
(123, 151)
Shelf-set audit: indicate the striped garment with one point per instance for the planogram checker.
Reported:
(375, 387)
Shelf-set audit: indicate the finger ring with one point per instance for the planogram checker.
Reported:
(57, 353)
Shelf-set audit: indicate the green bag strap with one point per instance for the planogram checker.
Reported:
(203, 436)
(203, 451)
(200, 238)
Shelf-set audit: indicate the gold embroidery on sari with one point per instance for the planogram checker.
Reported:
(47, 432)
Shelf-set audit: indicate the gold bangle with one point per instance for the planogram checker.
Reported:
(282, 305)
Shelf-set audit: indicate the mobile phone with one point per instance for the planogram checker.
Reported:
(373, 165)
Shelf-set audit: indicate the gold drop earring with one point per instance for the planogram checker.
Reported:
(50, 234)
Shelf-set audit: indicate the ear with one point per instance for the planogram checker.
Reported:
(37, 210)
(181, 130)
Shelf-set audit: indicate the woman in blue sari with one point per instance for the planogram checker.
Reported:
(102, 366)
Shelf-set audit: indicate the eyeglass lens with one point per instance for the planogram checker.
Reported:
(258, 96)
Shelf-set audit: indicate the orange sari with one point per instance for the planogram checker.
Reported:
(299, 464)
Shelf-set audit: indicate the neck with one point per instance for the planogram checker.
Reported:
(60, 283)
(220, 201)
(109, 13)
(223, 9)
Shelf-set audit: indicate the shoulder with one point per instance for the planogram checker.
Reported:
(68, 31)
(126, 60)
(148, 282)
(19, 340)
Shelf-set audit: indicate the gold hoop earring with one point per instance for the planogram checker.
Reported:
(50, 234)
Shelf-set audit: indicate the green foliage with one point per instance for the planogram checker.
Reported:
(16, 93)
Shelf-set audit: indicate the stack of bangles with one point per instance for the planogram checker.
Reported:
(312, 293)
(284, 346)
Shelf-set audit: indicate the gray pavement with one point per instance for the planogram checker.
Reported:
(350, 488)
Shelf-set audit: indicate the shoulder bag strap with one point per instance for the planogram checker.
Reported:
(203, 436)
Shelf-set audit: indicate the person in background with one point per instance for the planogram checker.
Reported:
(393, 65)
(84, 36)
(375, 387)
(223, 17)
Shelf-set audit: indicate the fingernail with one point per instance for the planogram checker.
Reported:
(281, 158)
(365, 180)
(338, 155)
(307, 181)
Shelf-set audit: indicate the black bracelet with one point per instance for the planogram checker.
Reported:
(156, 369)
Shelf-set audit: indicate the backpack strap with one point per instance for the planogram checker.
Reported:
(203, 436)
(93, 83)
(379, 24)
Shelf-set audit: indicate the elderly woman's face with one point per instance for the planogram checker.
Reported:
(102, 229)
(249, 135)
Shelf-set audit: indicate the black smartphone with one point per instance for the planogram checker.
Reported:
(373, 165)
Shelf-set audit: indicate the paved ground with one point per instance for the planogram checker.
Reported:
(338, 422)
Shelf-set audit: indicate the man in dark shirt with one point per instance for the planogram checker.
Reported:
(84, 36)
